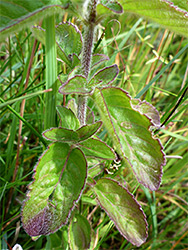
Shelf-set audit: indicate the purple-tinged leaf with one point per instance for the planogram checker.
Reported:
(123, 209)
(75, 85)
(97, 59)
(59, 179)
(104, 76)
(61, 135)
(147, 109)
(68, 118)
(112, 5)
(97, 149)
(88, 130)
(79, 233)
(130, 131)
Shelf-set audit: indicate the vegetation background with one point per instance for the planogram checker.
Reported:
(141, 49)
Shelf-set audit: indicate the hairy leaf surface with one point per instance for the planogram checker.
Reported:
(123, 209)
(59, 179)
(132, 137)
(171, 14)
(15, 15)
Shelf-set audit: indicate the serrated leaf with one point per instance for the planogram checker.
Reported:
(15, 15)
(170, 14)
(75, 85)
(112, 5)
(147, 109)
(68, 118)
(88, 130)
(104, 76)
(61, 135)
(132, 137)
(79, 233)
(123, 209)
(59, 179)
(97, 149)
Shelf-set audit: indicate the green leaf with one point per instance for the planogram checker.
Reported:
(130, 131)
(69, 38)
(104, 76)
(112, 5)
(68, 135)
(88, 130)
(61, 135)
(68, 118)
(97, 149)
(59, 179)
(79, 233)
(170, 14)
(18, 14)
(123, 209)
(69, 41)
(75, 85)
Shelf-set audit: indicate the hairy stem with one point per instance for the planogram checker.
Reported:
(89, 29)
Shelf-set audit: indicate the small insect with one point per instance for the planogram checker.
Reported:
(114, 166)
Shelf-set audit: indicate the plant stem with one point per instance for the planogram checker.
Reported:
(89, 30)
(82, 109)
(51, 74)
